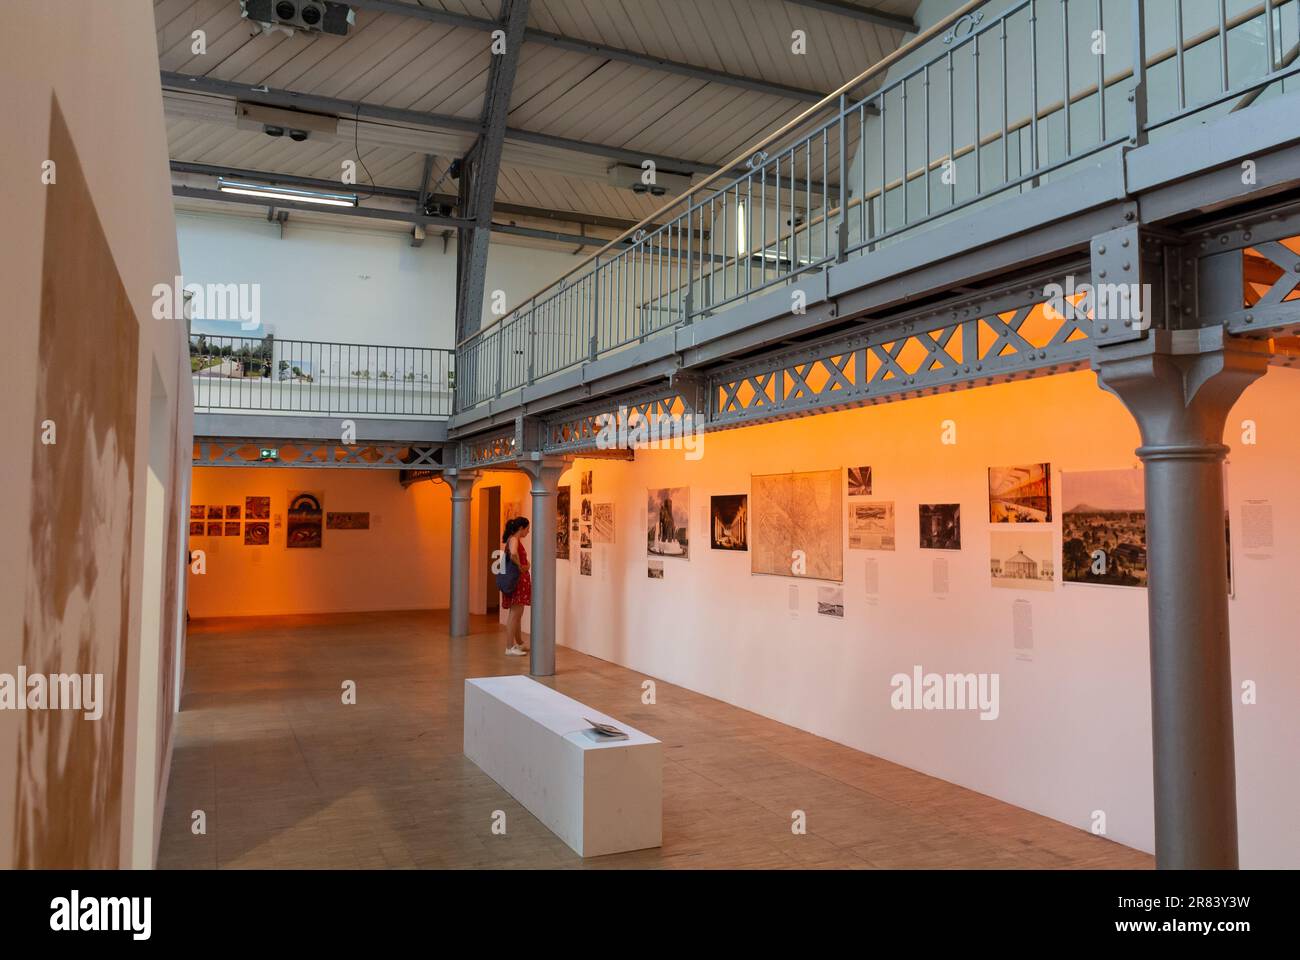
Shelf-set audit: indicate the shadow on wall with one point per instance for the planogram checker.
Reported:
(69, 782)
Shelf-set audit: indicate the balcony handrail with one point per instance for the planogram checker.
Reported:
(879, 66)
(269, 374)
(194, 335)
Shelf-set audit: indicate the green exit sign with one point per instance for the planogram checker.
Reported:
(270, 453)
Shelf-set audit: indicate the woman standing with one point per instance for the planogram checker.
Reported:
(522, 595)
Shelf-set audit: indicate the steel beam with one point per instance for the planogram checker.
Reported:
(591, 48)
(360, 110)
(866, 14)
(379, 213)
(298, 454)
(412, 196)
(369, 213)
(479, 171)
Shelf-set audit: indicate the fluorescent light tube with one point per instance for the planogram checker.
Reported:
(286, 193)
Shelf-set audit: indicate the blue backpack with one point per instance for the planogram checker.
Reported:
(508, 578)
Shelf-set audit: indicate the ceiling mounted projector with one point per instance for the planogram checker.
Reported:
(313, 16)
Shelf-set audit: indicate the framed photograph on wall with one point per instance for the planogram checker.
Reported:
(1021, 494)
(729, 522)
(602, 527)
(562, 523)
(667, 522)
(305, 521)
(1022, 560)
(940, 526)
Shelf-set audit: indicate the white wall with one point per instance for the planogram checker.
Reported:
(1074, 731)
(400, 563)
(351, 285)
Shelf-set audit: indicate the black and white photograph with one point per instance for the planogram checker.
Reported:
(830, 602)
(562, 523)
(871, 526)
(940, 526)
(602, 523)
(667, 515)
(729, 522)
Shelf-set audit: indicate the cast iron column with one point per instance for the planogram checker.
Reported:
(545, 475)
(1180, 386)
(461, 483)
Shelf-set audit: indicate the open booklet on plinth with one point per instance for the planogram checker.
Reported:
(603, 731)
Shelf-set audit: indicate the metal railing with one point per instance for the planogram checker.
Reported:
(979, 104)
(269, 375)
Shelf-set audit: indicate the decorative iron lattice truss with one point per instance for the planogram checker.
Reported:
(1249, 272)
(686, 399)
(1016, 335)
(501, 447)
(243, 452)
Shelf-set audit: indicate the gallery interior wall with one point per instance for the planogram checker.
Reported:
(401, 563)
(1073, 735)
(381, 289)
(85, 241)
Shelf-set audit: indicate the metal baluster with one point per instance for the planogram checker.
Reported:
(952, 136)
(1178, 51)
(1268, 34)
(1002, 36)
(749, 230)
(1223, 46)
(1065, 67)
(826, 197)
(903, 113)
(862, 180)
(975, 60)
(884, 211)
(1101, 77)
(842, 232)
(925, 106)
(1138, 97)
(1033, 85)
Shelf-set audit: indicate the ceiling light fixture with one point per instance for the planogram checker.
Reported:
(247, 189)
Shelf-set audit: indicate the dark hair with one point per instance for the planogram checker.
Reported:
(513, 526)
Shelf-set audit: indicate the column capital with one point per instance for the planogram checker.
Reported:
(460, 481)
(544, 473)
(1180, 385)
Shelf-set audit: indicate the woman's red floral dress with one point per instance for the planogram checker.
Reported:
(523, 592)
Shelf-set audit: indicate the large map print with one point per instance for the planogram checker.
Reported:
(797, 512)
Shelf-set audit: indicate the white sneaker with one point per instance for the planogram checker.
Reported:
(515, 652)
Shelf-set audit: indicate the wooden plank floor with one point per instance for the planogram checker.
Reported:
(288, 776)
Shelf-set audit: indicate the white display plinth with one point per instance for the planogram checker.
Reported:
(598, 798)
